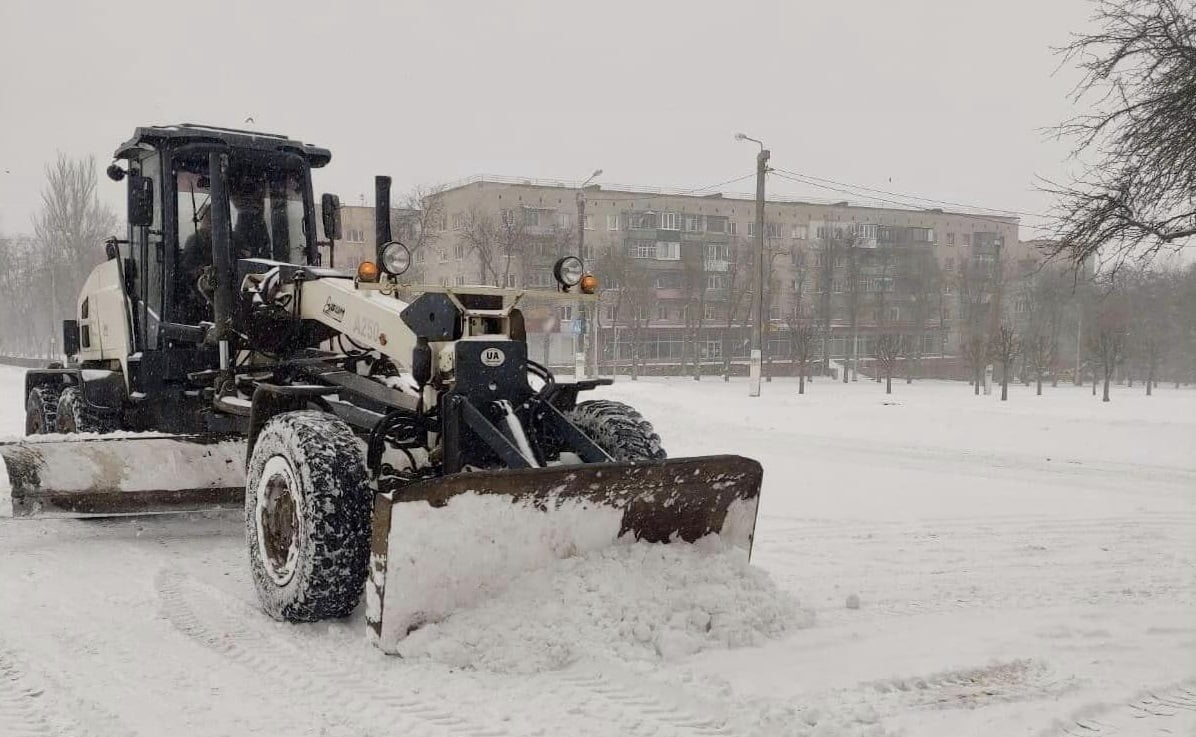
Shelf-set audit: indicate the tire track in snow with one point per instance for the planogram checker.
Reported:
(222, 626)
(988, 562)
(22, 713)
(638, 699)
(27, 708)
(1016, 680)
(1164, 711)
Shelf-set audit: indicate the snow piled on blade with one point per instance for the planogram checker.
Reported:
(629, 602)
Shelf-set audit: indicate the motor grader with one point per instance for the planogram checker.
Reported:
(380, 436)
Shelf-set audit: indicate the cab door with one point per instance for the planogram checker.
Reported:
(147, 251)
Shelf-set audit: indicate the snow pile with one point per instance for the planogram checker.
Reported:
(630, 602)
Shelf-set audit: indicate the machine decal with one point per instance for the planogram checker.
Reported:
(493, 357)
(333, 310)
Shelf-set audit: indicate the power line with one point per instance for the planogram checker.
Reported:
(903, 205)
(911, 196)
(682, 193)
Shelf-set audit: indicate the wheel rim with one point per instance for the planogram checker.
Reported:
(279, 524)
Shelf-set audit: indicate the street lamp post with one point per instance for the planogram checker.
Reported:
(588, 339)
(754, 366)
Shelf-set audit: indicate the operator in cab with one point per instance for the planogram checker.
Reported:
(250, 239)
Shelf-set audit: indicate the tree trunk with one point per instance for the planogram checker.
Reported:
(1039, 390)
(1105, 397)
(1055, 379)
(801, 381)
(888, 383)
(976, 383)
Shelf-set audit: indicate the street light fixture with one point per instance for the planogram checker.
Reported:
(754, 367)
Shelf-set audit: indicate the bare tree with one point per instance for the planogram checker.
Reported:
(70, 228)
(887, 350)
(1003, 347)
(1039, 351)
(741, 278)
(975, 293)
(975, 352)
(804, 337)
(421, 219)
(1137, 196)
(1106, 343)
(924, 284)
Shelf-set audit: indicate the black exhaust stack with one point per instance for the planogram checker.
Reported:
(381, 214)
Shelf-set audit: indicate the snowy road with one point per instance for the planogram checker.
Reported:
(1026, 568)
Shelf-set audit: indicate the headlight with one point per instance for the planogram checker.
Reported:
(395, 258)
(568, 271)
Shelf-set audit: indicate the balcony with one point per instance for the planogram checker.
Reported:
(715, 265)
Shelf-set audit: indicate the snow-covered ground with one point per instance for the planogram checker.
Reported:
(927, 563)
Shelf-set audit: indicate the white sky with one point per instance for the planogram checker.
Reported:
(944, 99)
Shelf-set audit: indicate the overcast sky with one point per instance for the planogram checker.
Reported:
(943, 99)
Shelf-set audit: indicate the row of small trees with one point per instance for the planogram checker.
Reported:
(1130, 323)
(41, 274)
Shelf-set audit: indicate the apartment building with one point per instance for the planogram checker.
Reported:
(679, 275)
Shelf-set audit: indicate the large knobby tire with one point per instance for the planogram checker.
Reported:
(307, 517)
(41, 411)
(618, 429)
(73, 415)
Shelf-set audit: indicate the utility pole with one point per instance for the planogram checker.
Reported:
(754, 366)
(587, 339)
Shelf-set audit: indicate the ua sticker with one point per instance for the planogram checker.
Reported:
(493, 357)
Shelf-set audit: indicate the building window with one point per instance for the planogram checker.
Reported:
(751, 228)
(693, 223)
(589, 224)
(645, 249)
(644, 221)
(950, 239)
(837, 285)
(442, 255)
(510, 279)
(665, 281)
(949, 264)
(716, 224)
(612, 222)
(774, 313)
(709, 312)
(566, 312)
(460, 280)
(711, 349)
(421, 255)
(538, 279)
(718, 252)
(799, 232)
(670, 221)
(967, 239)
(531, 217)
(716, 281)
(668, 251)
(662, 312)
(772, 230)
(459, 251)
(563, 221)
(894, 313)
